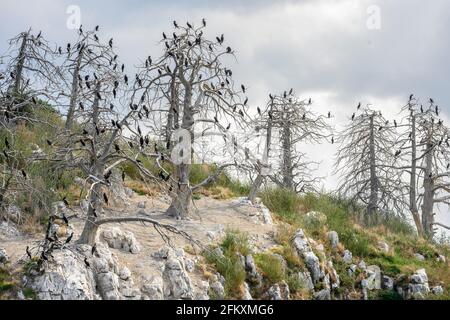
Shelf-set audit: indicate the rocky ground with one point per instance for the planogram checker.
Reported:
(132, 260)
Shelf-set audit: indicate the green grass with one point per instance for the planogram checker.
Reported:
(6, 283)
(270, 267)
(229, 266)
(29, 293)
(286, 204)
(235, 241)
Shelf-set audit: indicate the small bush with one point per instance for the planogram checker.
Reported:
(270, 266)
(229, 265)
(235, 241)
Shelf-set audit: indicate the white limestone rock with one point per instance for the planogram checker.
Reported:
(179, 284)
(333, 237)
(118, 239)
(152, 288)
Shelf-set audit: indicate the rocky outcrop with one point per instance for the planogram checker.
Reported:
(79, 274)
(65, 278)
(387, 283)
(383, 246)
(118, 239)
(373, 278)
(203, 291)
(263, 212)
(279, 291)
(305, 280)
(3, 257)
(304, 250)
(323, 276)
(178, 283)
(333, 237)
(217, 288)
(252, 274)
(437, 290)
(347, 257)
(152, 288)
(416, 287)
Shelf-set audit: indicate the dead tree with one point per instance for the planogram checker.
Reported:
(296, 124)
(78, 61)
(105, 134)
(26, 72)
(364, 163)
(189, 85)
(422, 154)
(262, 167)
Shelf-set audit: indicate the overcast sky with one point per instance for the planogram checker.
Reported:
(323, 49)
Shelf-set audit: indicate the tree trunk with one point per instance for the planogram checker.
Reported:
(74, 92)
(19, 67)
(181, 198)
(90, 229)
(413, 180)
(373, 202)
(428, 195)
(286, 170)
(263, 166)
(182, 195)
(255, 188)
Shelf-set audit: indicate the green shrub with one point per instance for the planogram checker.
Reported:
(229, 265)
(235, 241)
(270, 266)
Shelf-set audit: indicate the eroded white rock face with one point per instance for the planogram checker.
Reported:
(347, 256)
(279, 291)
(305, 280)
(383, 246)
(252, 274)
(3, 257)
(387, 283)
(318, 273)
(313, 265)
(333, 237)
(118, 239)
(373, 278)
(218, 289)
(246, 295)
(418, 287)
(437, 290)
(152, 288)
(67, 277)
(178, 282)
(203, 291)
